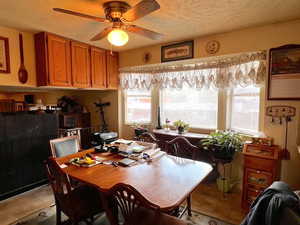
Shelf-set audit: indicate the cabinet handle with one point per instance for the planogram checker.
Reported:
(257, 171)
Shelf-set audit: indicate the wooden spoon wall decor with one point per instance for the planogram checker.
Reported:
(23, 74)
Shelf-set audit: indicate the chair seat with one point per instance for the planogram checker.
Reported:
(84, 201)
(143, 216)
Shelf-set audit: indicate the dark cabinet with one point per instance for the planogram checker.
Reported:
(24, 145)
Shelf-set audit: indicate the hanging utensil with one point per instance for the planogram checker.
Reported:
(23, 74)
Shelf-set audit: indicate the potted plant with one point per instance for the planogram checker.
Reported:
(181, 126)
(223, 144)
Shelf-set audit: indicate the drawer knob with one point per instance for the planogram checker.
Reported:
(257, 171)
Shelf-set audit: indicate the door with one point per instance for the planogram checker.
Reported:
(81, 76)
(98, 67)
(59, 61)
(112, 69)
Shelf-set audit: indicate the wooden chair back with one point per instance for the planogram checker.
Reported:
(147, 137)
(128, 199)
(181, 147)
(59, 181)
(65, 146)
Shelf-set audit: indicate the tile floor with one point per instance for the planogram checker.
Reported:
(206, 199)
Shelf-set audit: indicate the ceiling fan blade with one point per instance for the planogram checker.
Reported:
(99, 19)
(102, 34)
(141, 9)
(144, 32)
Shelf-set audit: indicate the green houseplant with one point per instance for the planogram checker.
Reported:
(181, 126)
(223, 144)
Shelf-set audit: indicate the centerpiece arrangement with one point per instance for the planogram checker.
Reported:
(181, 126)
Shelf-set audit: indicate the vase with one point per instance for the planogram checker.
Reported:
(180, 130)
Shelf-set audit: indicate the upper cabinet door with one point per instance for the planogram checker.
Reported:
(59, 61)
(112, 70)
(80, 65)
(98, 67)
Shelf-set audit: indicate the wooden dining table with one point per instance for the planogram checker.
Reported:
(165, 181)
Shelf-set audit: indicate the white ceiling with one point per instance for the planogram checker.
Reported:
(177, 19)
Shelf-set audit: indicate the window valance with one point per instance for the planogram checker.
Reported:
(213, 72)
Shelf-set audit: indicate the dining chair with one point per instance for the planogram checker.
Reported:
(137, 210)
(65, 146)
(147, 137)
(78, 204)
(181, 147)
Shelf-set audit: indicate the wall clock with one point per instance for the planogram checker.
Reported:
(212, 47)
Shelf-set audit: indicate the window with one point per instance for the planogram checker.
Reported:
(137, 106)
(198, 108)
(244, 109)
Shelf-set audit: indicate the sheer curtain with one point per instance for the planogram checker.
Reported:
(214, 72)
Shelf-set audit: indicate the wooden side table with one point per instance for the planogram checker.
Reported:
(261, 167)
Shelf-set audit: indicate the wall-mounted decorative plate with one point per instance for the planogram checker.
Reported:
(212, 47)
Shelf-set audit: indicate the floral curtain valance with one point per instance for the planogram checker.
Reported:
(214, 72)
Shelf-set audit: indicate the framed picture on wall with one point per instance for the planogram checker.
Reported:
(178, 51)
(4, 55)
(284, 73)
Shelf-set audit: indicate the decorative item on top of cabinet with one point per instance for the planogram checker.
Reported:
(112, 60)
(98, 67)
(81, 76)
(53, 60)
(261, 168)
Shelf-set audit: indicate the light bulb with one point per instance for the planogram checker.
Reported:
(117, 37)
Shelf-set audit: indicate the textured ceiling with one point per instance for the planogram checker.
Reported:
(177, 19)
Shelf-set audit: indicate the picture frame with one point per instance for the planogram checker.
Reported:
(4, 55)
(284, 73)
(178, 51)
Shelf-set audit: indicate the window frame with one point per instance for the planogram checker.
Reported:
(125, 95)
(229, 97)
(205, 129)
(224, 110)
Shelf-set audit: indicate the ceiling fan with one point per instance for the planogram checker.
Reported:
(121, 14)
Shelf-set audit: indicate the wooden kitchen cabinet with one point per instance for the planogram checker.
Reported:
(112, 65)
(81, 76)
(61, 62)
(98, 68)
(53, 60)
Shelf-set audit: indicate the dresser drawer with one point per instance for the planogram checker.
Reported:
(258, 179)
(252, 195)
(259, 163)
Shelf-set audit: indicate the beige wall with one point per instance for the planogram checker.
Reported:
(11, 79)
(251, 39)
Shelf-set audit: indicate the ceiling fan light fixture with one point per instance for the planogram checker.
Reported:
(118, 37)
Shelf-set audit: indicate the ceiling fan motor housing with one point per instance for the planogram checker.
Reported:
(115, 9)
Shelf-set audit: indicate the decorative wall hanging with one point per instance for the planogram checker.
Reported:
(284, 73)
(282, 115)
(147, 56)
(218, 72)
(22, 73)
(179, 51)
(4, 55)
(212, 47)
